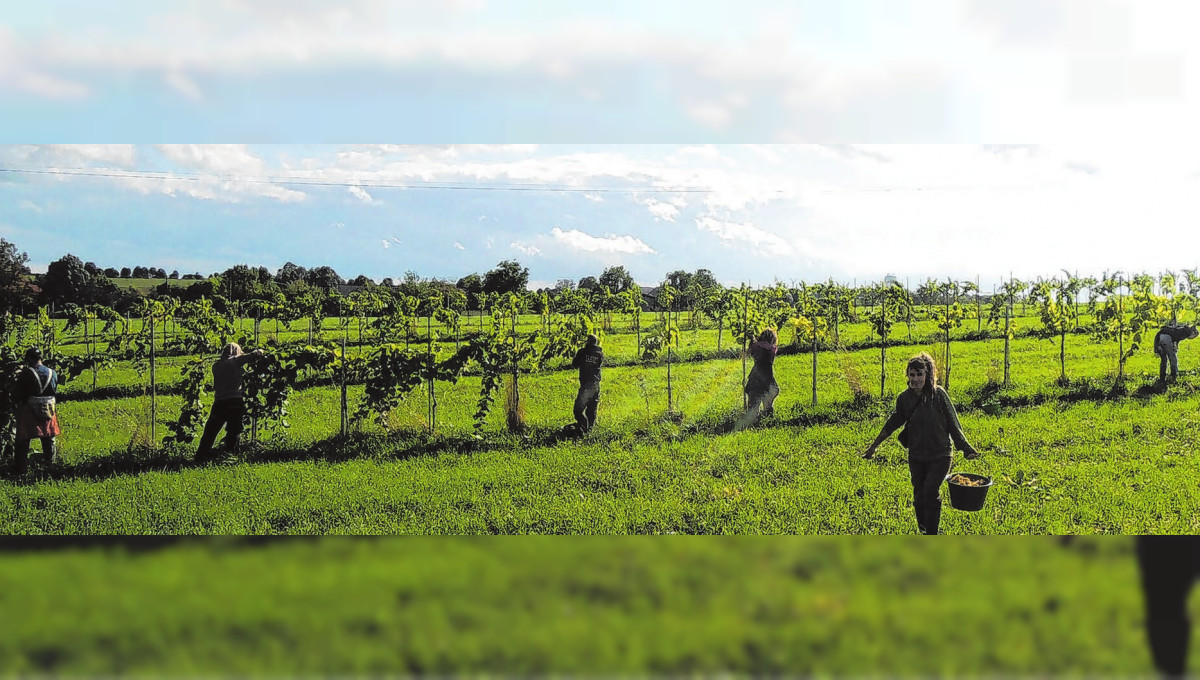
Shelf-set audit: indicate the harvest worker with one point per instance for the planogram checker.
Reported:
(228, 409)
(1168, 566)
(37, 414)
(588, 360)
(1166, 346)
(930, 422)
(761, 388)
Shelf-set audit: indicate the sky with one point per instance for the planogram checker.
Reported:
(762, 140)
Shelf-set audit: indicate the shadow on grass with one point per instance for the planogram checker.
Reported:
(139, 544)
(393, 446)
(406, 444)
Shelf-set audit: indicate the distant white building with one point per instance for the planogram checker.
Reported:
(889, 280)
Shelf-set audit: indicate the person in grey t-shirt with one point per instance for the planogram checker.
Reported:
(930, 424)
(1166, 346)
(228, 408)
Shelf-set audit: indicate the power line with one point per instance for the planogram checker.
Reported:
(465, 186)
(455, 186)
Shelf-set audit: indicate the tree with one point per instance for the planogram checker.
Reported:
(126, 272)
(508, 277)
(1002, 308)
(112, 272)
(91, 268)
(564, 284)
(65, 277)
(588, 283)
(323, 277)
(679, 280)
(362, 280)
(14, 278)
(140, 272)
(174, 274)
(891, 303)
(811, 323)
(239, 282)
(1056, 302)
(949, 316)
(705, 280)
(616, 278)
(471, 283)
(717, 303)
(290, 272)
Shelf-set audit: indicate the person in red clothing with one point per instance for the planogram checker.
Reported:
(37, 415)
(228, 408)
(930, 424)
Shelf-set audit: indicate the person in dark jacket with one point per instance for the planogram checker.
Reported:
(37, 414)
(1166, 346)
(761, 388)
(588, 360)
(228, 407)
(1168, 566)
(930, 424)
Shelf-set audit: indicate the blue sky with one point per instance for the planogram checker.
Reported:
(852, 138)
(749, 213)
(488, 71)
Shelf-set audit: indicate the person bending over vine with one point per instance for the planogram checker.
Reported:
(229, 408)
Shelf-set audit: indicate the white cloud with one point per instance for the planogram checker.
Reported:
(525, 248)
(595, 198)
(32, 207)
(338, 225)
(459, 246)
(386, 244)
(71, 156)
(578, 240)
(764, 242)
(361, 194)
(237, 174)
(661, 211)
(396, 240)
(218, 158)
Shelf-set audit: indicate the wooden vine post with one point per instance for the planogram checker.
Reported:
(153, 386)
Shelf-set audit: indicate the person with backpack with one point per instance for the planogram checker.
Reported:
(930, 424)
(588, 360)
(761, 388)
(37, 413)
(228, 407)
(1166, 346)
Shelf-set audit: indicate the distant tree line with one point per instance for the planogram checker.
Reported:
(69, 280)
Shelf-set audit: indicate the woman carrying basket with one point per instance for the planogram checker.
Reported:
(930, 423)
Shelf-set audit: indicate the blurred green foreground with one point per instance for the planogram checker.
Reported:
(658, 605)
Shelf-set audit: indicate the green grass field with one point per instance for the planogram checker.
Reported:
(796, 606)
(1066, 458)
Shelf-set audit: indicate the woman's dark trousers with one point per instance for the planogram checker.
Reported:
(1169, 566)
(227, 413)
(927, 477)
(21, 453)
(586, 404)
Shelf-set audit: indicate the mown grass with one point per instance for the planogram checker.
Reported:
(1119, 468)
(1076, 458)
(796, 605)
